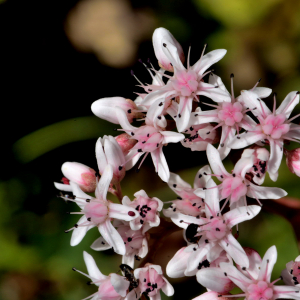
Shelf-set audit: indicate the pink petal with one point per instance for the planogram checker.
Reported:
(267, 264)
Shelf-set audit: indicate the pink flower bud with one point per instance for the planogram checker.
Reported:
(293, 160)
(159, 35)
(105, 109)
(126, 142)
(81, 174)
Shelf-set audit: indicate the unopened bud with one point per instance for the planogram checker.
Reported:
(81, 174)
(105, 109)
(125, 142)
(163, 36)
(293, 161)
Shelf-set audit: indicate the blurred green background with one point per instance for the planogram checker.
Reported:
(57, 57)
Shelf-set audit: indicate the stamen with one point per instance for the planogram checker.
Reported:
(290, 103)
(256, 84)
(232, 91)
(274, 104)
(188, 58)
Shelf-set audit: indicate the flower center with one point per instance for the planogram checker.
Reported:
(231, 113)
(96, 211)
(151, 282)
(216, 229)
(259, 291)
(274, 126)
(234, 187)
(185, 82)
(149, 139)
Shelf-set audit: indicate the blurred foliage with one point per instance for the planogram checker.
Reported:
(47, 90)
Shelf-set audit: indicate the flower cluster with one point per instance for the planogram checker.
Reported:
(170, 110)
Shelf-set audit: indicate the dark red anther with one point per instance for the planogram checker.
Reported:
(131, 213)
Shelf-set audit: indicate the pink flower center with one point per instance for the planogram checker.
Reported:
(274, 126)
(96, 211)
(151, 282)
(133, 239)
(216, 229)
(234, 187)
(231, 113)
(185, 82)
(149, 139)
(259, 291)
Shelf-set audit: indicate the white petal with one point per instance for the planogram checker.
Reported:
(160, 164)
(214, 279)
(178, 263)
(167, 288)
(112, 236)
(250, 100)
(212, 199)
(79, 232)
(243, 165)
(128, 260)
(262, 192)
(120, 284)
(92, 268)
(288, 104)
(241, 214)
(267, 264)
(184, 113)
(245, 139)
(171, 52)
(160, 35)
(114, 154)
(196, 257)
(217, 81)
(276, 153)
(226, 136)
(262, 92)
(214, 93)
(100, 156)
(80, 195)
(63, 187)
(200, 182)
(171, 137)
(207, 60)
(103, 185)
(215, 161)
(100, 244)
(207, 116)
(235, 250)
(176, 182)
(286, 292)
(234, 275)
(121, 212)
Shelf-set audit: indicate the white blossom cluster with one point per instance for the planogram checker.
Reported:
(170, 111)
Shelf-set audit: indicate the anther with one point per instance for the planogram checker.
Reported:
(160, 104)
(231, 75)
(140, 150)
(244, 268)
(225, 273)
(74, 269)
(131, 213)
(200, 175)
(174, 185)
(217, 229)
(222, 145)
(89, 219)
(179, 115)
(129, 111)
(164, 44)
(87, 200)
(120, 168)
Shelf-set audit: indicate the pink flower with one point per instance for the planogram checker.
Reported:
(214, 231)
(291, 275)
(151, 281)
(98, 212)
(125, 142)
(293, 160)
(151, 138)
(111, 287)
(257, 285)
(187, 83)
(135, 242)
(275, 127)
(188, 202)
(230, 115)
(148, 209)
(235, 186)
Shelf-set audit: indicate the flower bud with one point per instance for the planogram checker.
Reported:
(105, 109)
(81, 174)
(159, 35)
(293, 160)
(125, 142)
